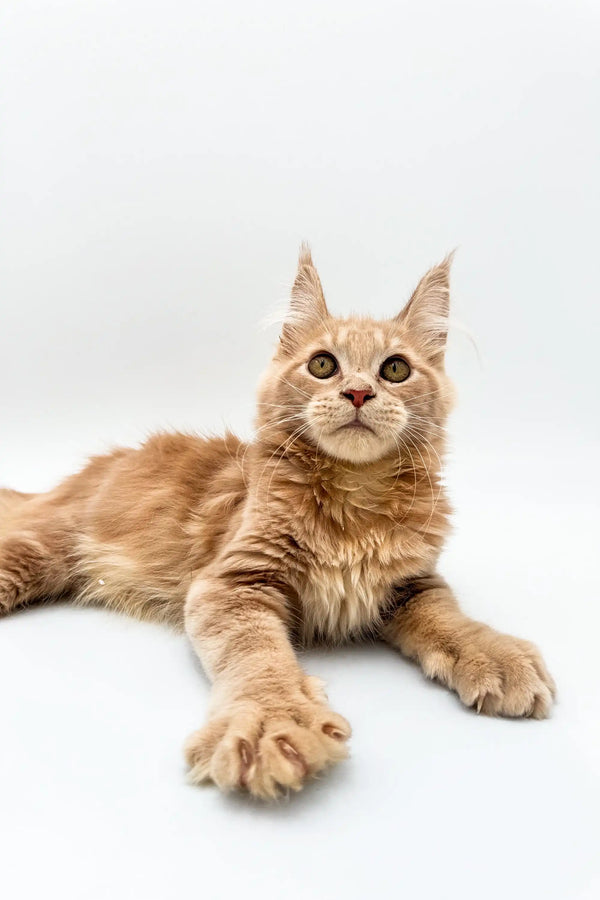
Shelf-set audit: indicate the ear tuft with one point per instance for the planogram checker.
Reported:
(307, 301)
(426, 313)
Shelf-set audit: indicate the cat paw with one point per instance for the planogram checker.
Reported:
(498, 674)
(268, 747)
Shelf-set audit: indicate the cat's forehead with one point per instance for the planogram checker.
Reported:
(360, 340)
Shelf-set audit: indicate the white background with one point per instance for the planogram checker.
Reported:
(160, 163)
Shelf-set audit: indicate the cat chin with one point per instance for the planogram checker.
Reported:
(353, 447)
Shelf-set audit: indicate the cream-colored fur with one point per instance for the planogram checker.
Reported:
(326, 527)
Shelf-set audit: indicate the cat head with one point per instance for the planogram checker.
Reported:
(359, 389)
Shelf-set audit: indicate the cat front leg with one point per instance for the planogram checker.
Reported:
(496, 673)
(270, 726)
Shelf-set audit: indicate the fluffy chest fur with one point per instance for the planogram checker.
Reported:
(344, 591)
(344, 595)
(354, 540)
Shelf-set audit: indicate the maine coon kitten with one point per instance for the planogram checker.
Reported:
(327, 526)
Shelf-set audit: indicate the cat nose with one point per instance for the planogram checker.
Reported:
(358, 397)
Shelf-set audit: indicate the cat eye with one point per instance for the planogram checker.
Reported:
(395, 369)
(323, 365)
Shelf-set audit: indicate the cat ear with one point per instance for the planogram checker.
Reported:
(307, 303)
(426, 313)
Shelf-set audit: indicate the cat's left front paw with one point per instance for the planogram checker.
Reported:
(498, 674)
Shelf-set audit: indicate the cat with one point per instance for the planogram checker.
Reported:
(326, 527)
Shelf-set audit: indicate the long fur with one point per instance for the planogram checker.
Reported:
(314, 531)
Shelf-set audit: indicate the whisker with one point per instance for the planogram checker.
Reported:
(295, 387)
(439, 390)
(274, 423)
(434, 500)
(281, 405)
(429, 422)
(293, 437)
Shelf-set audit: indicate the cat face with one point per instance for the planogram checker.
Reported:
(357, 389)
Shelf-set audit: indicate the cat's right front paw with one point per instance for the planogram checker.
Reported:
(266, 748)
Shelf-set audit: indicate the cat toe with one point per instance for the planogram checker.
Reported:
(265, 752)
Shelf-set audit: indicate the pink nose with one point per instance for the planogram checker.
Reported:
(358, 397)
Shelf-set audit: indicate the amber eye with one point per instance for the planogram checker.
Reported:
(395, 369)
(323, 365)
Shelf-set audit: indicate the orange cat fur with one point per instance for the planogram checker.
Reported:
(327, 526)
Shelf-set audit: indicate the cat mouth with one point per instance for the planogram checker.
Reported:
(357, 425)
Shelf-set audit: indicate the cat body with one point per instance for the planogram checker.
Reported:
(326, 527)
(343, 561)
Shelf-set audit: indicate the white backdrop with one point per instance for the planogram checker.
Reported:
(160, 163)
